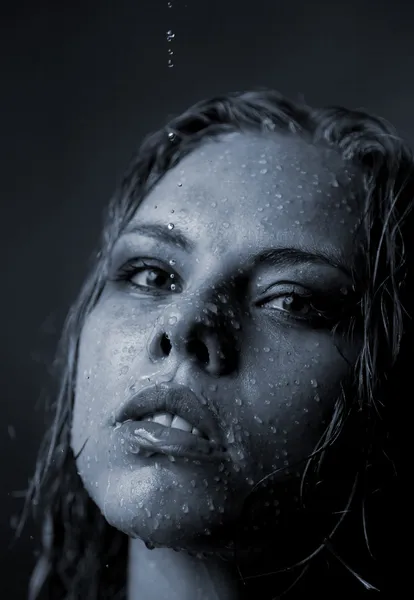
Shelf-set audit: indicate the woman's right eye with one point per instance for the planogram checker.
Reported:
(145, 277)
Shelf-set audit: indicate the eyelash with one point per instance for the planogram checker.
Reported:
(332, 314)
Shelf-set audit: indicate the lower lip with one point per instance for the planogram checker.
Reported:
(153, 437)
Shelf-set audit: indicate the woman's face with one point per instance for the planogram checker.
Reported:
(266, 226)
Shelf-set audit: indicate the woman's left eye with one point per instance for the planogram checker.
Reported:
(292, 303)
(302, 306)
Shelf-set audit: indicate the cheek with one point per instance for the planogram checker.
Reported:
(108, 347)
(110, 343)
(289, 398)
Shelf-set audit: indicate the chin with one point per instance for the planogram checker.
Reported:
(170, 518)
(170, 531)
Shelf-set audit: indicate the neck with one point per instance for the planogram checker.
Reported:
(164, 574)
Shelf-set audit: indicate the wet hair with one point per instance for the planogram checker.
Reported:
(81, 555)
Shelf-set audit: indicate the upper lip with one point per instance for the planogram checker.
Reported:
(172, 398)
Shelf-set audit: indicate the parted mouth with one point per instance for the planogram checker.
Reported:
(175, 422)
(176, 406)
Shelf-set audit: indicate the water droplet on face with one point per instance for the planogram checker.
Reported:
(170, 226)
(172, 320)
(263, 171)
(172, 262)
(230, 435)
(268, 124)
(314, 383)
(173, 287)
(238, 401)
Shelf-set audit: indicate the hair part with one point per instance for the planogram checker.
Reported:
(81, 555)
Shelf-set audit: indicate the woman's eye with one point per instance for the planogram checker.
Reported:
(293, 304)
(150, 277)
(316, 309)
(145, 277)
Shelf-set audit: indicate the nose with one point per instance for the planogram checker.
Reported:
(204, 331)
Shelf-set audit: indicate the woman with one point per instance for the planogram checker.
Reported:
(222, 429)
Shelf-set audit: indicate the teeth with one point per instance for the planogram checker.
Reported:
(169, 420)
(180, 423)
(163, 419)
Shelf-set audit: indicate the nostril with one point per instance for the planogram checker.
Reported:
(165, 344)
(199, 351)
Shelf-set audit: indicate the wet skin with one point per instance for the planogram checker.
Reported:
(274, 368)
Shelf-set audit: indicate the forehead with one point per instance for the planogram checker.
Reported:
(256, 188)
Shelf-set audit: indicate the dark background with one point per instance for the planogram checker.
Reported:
(81, 83)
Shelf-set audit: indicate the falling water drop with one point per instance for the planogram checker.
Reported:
(170, 36)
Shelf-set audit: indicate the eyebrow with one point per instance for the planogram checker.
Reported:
(280, 257)
(277, 257)
(163, 233)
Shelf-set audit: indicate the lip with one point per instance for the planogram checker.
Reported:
(178, 400)
(153, 438)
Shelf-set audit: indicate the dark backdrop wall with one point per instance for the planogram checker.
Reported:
(81, 83)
